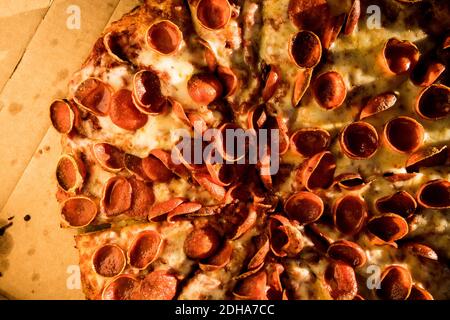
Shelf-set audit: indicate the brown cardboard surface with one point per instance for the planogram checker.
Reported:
(37, 258)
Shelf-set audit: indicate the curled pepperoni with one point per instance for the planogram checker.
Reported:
(332, 29)
(359, 140)
(285, 239)
(403, 134)
(142, 198)
(272, 82)
(301, 84)
(318, 171)
(145, 249)
(62, 116)
(349, 214)
(353, 17)
(117, 196)
(179, 112)
(220, 259)
(350, 181)
(70, 173)
(426, 72)
(400, 56)
(159, 285)
(434, 194)
(395, 177)
(401, 203)
(246, 224)
(123, 287)
(204, 88)
(166, 158)
(253, 287)
(429, 157)
(109, 260)
(123, 111)
(377, 104)
(418, 293)
(114, 45)
(210, 58)
(201, 243)
(108, 156)
(388, 227)
(155, 170)
(320, 239)
(275, 292)
(204, 180)
(134, 165)
(329, 90)
(229, 80)
(263, 249)
(310, 141)
(161, 208)
(305, 49)
(185, 208)
(213, 14)
(94, 95)
(304, 207)
(396, 283)
(147, 92)
(221, 174)
(164, 37)
(79, 211)
(340, 281)
(433, 102)
(348, 252)
(421, 250)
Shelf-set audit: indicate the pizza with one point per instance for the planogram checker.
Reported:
(335, 183)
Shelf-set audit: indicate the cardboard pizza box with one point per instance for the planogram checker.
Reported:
(42, 42)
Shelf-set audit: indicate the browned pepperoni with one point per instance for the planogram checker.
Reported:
(340, 280)
(220, 259)
(79, 211)
(359, 140)
(204, 88)
(426, 72)
(350, 181)
(434, 194)
(332, 29)
(271, 84)
(62, 116)
(285, 240)
(213, 14)
(418, 293)
(403, 134)
(310, 141)
(109, 260)
(94, 96)
(253, 287)
(229, 80)
(319, 171)
(305, 49)
(183, 209)
(161, 208)
(377, 104)
(70, 173)
(123, 111)
(155, 170)
(123, 287)
(349, 214)
(164, 36)
(301, 84)
(145, 249)
(304, 207)
(421, 250)
(217, 191)
(353, 17)
(147, 92)
(159, 285)
(396, 283)
(142, 198)
(108, 156)
(201, 243)
(401, 203)
(329, 90)
(400, 56)
(260, 255)
(117, 196)
(429, 157)
(433, 102)
(348, 252)
(388, 227)
(134, 165)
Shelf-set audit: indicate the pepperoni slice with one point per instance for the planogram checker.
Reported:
(134, 165)
(260, 255)
(204, 88)
(421, 250)
(246, 224)
(353, 17)
(329, 90)
(271, 83)
(142, 198)
(274, 271)
(147, 92)
(377, 104)
(117, 196)
(305, 49)
(349, 214)
(253, 287)
(301, 84)
(213, 14)
(123, 287)
(348, 252)
(388, 227)
(162, 208)
(217, 191)
(229, 80)
(418, 293)
(403, 134)
(201, 243)
(109, 260)
(320, 239)
(332, 29)
(164, 37)
(94, 95)
(285, 239)
(429, 157)
(396, 283)
(70, 173)
(159, 285)
(359, 140)
(433, 103)
(113, 42)
(340, 281)
(108, 156)
(155, 170)
(123, 111)
(145, 249)
(434, 194)
(185, 208)
(62, 116)
(401, 203)
(79, 211)
(304, 207)
(350, 181)
(318, 172)
(400, 56)
(426, 72)
(166, 158)
(310, 141)
(220, 259)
